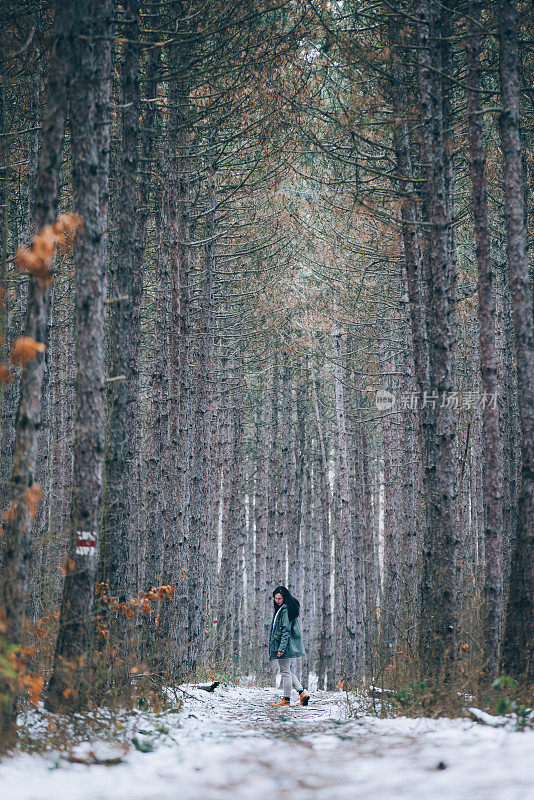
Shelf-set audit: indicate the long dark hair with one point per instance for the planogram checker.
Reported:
(293, 605)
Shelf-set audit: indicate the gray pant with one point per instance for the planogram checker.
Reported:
(288, 678)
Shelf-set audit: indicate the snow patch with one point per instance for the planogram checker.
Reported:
(233, 744)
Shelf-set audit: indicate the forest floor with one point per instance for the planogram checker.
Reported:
(234, 744)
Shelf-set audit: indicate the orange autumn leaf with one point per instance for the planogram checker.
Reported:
(9, 513)
(68, 566)
(12, 659)
(32, 262)
(33, 497)
(34, 686)
(37, 260)
(44, 244)
(145, 606)
(24, 349)
(5, 374)
(64, 228)
(143, 602)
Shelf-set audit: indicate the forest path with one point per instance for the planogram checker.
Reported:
(233, 744)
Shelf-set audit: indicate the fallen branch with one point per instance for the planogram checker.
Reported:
(91, 759)
(488, 719)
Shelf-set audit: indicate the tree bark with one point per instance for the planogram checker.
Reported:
(439, 609)
(351, 586)
(325, 668)
(493, 462)
(157, 456)
(518, 658)
(89, 99)
(119, 500)
(17, 538)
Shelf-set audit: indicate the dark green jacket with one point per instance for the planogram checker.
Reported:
(285, 636)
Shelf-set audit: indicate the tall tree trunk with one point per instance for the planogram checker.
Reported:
(507, 410)
(351, 564)
(4, 222)
(325, 667)
(287, 530)
(139, 475)
(184, 612)
(17, 539)
(224, 595)
(262, 580)
(121, 453)
(203, 492)
(423, 453)
(518, 642)
(296, 543)
(157, 455)
(493, 462)
(90, 109)
(236, 521)
(439, 611)
(393, 616)
(276, 542)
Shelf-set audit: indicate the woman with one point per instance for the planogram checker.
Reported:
(285, 643)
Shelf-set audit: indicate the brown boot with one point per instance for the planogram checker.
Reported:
(304, 697)
(283, 702)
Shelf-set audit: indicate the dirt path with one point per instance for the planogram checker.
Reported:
(233, 744)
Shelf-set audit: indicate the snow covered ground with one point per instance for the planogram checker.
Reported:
(233, 745)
